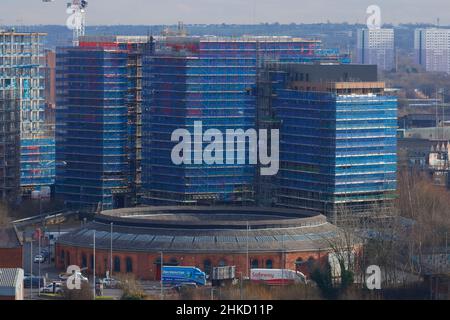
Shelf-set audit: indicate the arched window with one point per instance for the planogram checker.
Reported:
(222, 263)
(298, 264)
(269, 264)
(129, 265)
(310, 263)
(63, 256)
(207, 266)
(83, 261)
(254, 264)
(173, 261)
(91, 262)
(116, 264)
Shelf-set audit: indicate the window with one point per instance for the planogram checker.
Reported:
(129, 265)
(91, 264)
(310, 263)
(83, 261)
(269, 264)
(116, 264)
(173, 262)
(222, 263)
(254, 264)
(207, 266)
(298, 264)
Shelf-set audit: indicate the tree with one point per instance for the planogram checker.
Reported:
(4, 215)
(85, 293)
(131, 289)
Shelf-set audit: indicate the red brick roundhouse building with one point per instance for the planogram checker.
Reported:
(205, 237)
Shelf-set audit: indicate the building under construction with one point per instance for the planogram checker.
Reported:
(10, 139)
(337, 136)
(208, 79)
(99, 121)
(22, 75)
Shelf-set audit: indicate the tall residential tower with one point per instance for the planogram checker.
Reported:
(98, 120)
(432, 48)
(22, 68)
(376, 46)
(209, 80)
(337, 132)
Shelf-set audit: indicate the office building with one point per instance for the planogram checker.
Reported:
(99, 121)
(432, 47)
(22, 74)
(376, 46)
(209, 80)
(337, 136)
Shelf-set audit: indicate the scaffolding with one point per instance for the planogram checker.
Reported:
(208, 79)
(22, 61)
(9, 140)
(338, 137)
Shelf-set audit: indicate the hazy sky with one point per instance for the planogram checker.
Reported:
(225, 11)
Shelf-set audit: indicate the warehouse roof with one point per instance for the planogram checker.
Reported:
(206, 229)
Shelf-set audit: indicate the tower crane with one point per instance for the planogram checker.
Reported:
(77, 18)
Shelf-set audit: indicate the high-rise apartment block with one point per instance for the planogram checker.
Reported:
(376, 46)
(432, 48)
(98, 121)
(9, 137)
(209, 80)
(337, 136)
(22, 74)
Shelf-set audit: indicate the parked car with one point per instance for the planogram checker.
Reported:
(49, 288)
(39, 258)
(45, 253)
(64, 276)
(111, 283)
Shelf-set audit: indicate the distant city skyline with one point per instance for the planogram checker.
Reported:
(147, 12)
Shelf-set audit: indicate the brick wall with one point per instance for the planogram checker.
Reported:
(146, 265)
(11, 258)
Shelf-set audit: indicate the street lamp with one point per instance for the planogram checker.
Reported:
(162, 281)
(111, 251)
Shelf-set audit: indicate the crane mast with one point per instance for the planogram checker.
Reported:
(76, 9)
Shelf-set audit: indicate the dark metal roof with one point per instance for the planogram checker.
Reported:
(192, 229)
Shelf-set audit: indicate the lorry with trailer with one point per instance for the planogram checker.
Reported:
(277, 276)
(223, 275)
(180, 275)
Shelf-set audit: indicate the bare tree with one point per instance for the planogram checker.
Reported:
(85, 293)
(4, 214)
